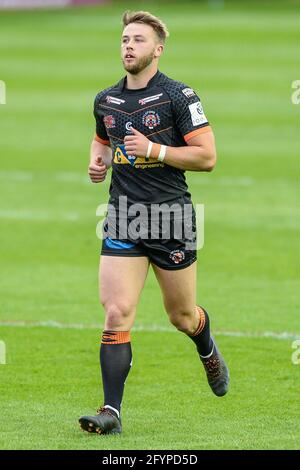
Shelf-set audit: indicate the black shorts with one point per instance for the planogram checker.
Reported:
(166, 253)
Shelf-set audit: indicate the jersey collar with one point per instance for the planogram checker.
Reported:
(122, 83)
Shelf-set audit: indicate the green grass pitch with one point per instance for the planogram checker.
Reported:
(242, 59)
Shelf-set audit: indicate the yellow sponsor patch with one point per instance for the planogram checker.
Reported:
(121, 157)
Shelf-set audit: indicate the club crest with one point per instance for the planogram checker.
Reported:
(177, 256)
(151, 119)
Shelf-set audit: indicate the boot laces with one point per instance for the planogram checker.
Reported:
(212, 367)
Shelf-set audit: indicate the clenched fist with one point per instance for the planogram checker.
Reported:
(97, 170)
(136, 144)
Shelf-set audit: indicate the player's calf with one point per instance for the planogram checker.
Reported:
(215, 367)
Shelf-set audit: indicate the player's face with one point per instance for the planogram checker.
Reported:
(139, 47)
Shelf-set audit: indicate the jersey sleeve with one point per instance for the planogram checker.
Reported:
(189, 114)
(101, 134)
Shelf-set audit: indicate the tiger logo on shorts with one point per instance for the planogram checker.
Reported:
(177, 256)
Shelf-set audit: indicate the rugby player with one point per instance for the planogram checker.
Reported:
(150, 129)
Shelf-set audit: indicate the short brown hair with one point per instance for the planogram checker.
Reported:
(145, 17)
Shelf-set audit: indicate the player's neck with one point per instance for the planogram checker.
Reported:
(140, 80)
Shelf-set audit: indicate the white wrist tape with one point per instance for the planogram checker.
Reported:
(162, 153)
(149, 150)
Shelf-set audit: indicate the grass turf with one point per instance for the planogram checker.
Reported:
(52, 378)
(242, 61)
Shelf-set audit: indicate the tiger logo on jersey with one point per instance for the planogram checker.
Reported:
(151, 119)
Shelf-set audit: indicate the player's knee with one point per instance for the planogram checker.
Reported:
(183, 320)
(118, 313)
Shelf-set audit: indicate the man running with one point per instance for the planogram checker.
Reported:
(150, 129)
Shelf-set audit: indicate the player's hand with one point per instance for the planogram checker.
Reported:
(136, 144)
(97, 170)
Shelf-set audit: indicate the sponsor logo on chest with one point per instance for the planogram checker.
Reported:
(128, 127)
(112, 99)
(148, 99)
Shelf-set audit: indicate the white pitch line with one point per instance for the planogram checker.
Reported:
(68, 177)
(149, 329)
(29, 176)
(16, 176)
(81, 178)
(38, 215)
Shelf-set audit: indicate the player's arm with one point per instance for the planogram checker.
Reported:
(100, 161)
(198, 155)
(100, 153)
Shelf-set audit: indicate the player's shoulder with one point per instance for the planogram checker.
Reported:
(177, 90)
(101, 95)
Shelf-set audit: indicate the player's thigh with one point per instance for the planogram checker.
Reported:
(121, 279)
(178, 288)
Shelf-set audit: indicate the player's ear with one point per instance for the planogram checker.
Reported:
(158, 50)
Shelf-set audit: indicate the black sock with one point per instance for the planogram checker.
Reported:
(202, 337)
(115, 360)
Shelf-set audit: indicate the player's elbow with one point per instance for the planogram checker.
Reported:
(211, 165)
(209, 162)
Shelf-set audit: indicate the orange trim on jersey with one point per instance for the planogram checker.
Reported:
(102, 141)
(158, 132)
(202, 130)
(201, 321)
(115, 337)
(146, 135)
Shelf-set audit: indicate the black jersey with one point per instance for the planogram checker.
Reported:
(167, 112)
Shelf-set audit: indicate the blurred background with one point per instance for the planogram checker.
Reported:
(242, 57)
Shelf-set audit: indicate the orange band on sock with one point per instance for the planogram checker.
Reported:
(115, 337)
(201, 321)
